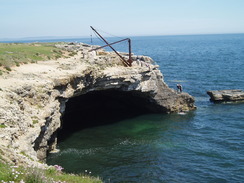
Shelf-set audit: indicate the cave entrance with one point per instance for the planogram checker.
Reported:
(101, 107)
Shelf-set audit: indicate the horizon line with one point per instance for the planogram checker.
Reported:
(84, 37)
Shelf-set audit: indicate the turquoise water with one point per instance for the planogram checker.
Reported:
(205, 145)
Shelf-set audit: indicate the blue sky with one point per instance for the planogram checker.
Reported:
(34, 18)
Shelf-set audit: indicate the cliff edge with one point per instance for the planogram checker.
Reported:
(34, 97)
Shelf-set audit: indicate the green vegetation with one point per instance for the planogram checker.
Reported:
(26, 155)
(9, 174)
(72, 54)
(14, 54)
(17, 64)
(35, 121)
(7, 68)
(2, 125)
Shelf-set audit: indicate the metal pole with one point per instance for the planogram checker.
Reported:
(130, 59)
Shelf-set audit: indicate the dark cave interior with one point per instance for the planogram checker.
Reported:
(99, 108)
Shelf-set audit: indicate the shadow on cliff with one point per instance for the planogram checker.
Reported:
(100, 108)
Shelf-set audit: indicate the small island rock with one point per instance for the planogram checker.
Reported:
(226, 95)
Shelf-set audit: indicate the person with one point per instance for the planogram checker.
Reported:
(179, 87)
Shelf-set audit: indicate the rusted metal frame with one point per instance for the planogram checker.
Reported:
(129, 42)
(108, 45)
(124, 61)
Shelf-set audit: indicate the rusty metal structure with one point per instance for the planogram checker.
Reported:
(128, 62)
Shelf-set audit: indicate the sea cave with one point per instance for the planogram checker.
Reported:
(100, 108)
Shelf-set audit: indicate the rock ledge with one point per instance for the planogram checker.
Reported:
(226, 95)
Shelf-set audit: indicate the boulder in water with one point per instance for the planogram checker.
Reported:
(226, 95)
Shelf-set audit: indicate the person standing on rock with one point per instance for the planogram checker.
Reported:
(179, 87)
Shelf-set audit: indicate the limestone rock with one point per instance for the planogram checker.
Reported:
(226, 95)
(33, 97)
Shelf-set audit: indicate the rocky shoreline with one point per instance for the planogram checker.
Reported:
(33, 97)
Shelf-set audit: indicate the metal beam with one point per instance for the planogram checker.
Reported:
(108, 45)
(127, 63)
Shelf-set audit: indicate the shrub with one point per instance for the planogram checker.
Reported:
(72, 54)
(35, 121)
(57, 56)
(17, 64)
(3, 126)
(8, 68)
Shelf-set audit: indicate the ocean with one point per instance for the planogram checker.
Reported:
(205, 145)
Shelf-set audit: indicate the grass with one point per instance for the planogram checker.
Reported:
(14, 54)
(9, 174)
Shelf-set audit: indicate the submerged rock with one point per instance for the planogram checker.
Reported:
(33, 97)
(226, 95)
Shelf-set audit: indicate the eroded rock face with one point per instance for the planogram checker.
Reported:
(33, 97)
(226, 95)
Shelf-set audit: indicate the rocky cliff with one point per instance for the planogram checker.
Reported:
(34, 98)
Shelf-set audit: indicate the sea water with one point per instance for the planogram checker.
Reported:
(205, 145)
